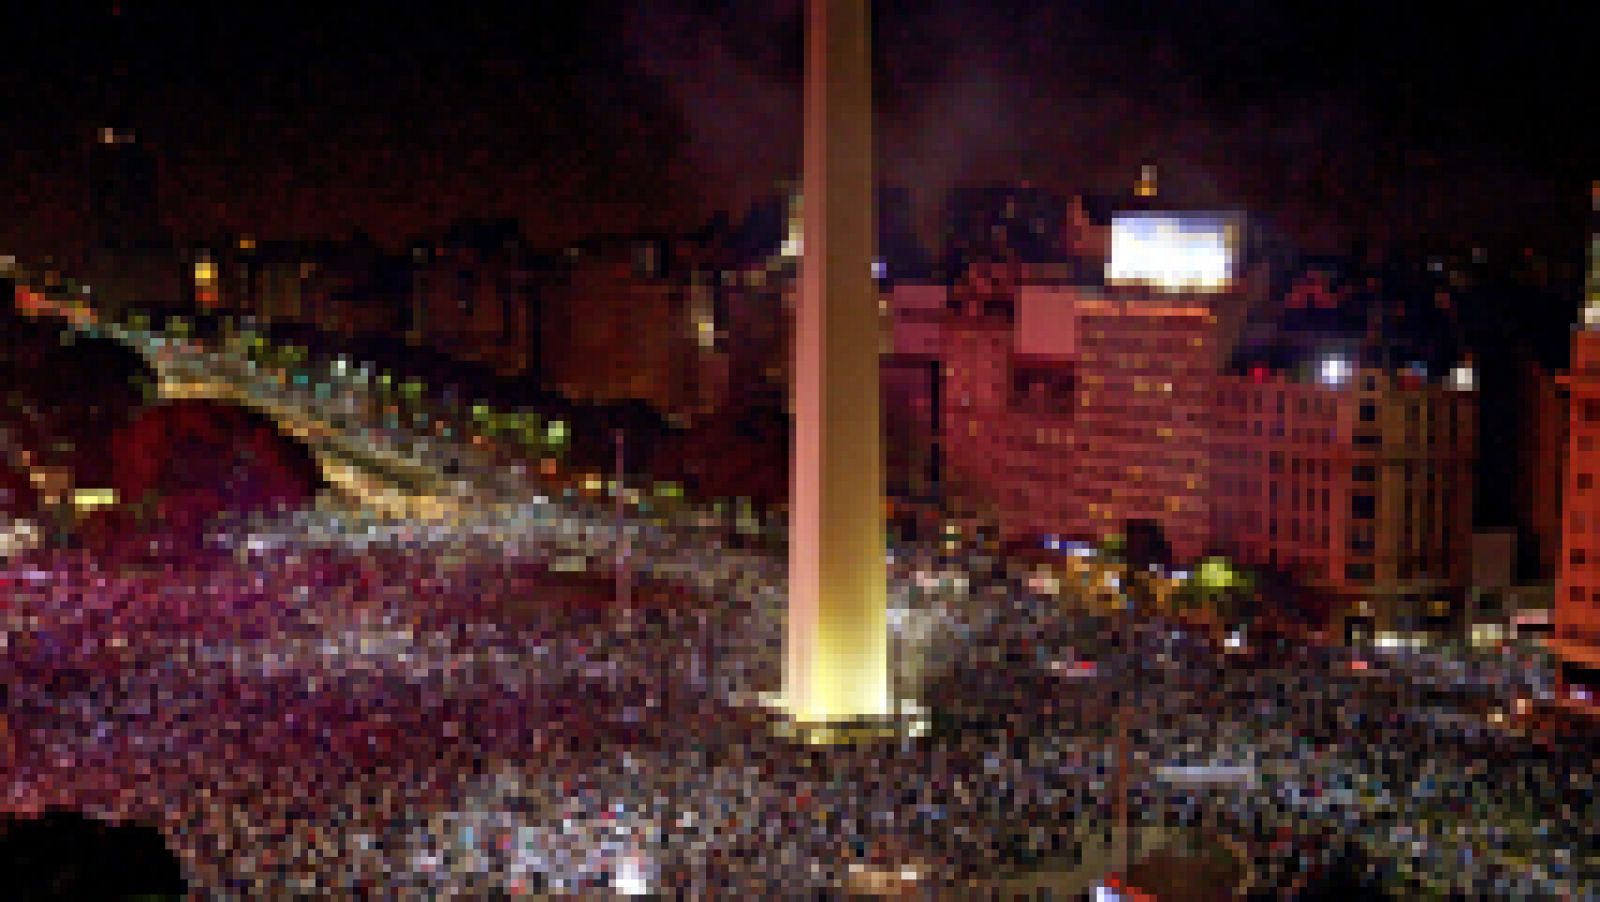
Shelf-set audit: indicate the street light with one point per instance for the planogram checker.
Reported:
(623, 577)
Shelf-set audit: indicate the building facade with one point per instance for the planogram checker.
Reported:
(1541, 466)
(1359, 481)
(619, 325)
(1577, 601)
(1072, 409)
(474, 295)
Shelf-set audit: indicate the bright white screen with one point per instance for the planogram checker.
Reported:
(1173, 252)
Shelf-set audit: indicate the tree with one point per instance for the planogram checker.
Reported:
(66, 855)
(1223, 589)
(1144, 549)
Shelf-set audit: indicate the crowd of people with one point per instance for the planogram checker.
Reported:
(414, 713)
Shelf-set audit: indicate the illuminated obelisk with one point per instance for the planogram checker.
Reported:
(836, 667)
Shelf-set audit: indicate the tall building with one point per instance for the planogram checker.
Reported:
(1540, 465)
(1086, 411)
(1078, 389)
(1577, 602)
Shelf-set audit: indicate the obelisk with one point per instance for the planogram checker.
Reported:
(836, 667)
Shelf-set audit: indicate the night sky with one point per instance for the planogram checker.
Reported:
(1336, 121)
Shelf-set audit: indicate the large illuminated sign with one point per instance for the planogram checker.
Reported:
(1174, 251)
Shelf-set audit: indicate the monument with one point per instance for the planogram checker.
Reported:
(836, 665)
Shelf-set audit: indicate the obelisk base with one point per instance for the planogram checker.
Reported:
(906, 720)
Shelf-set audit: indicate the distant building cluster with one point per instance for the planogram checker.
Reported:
(1318, 419)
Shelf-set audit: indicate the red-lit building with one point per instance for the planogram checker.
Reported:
(1356, 480)
(1071, 409)
(1577, 602)
(1341, 453)
(1541, 464)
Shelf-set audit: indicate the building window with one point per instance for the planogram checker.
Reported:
(1369, 413)
(1579, 556)
(1358, 573)
(1585, 481)
(1361, 540)
(1368, 439)
(1591, 410)
(1364, 473)
(1363, 507)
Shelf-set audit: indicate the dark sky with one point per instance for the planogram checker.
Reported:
(1337, 120)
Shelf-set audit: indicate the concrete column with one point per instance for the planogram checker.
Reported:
(837, 655)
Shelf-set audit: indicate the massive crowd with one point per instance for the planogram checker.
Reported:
(406, 717)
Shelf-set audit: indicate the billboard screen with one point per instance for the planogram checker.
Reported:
(1174, 251)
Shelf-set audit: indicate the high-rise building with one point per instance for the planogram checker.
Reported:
(1540, 465)
(1089, 410)
(1577, 601)
(1075, 402)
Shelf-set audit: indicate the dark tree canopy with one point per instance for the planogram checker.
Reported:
(66, 855)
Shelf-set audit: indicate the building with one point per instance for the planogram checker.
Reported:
(1577, 602)
(1078, 390)
(1358, 481)
(1541, 466)
(1086, 411)
(913, 390)
(474, 295)
(619, 324)
(1344, 450)
(1320, 422)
